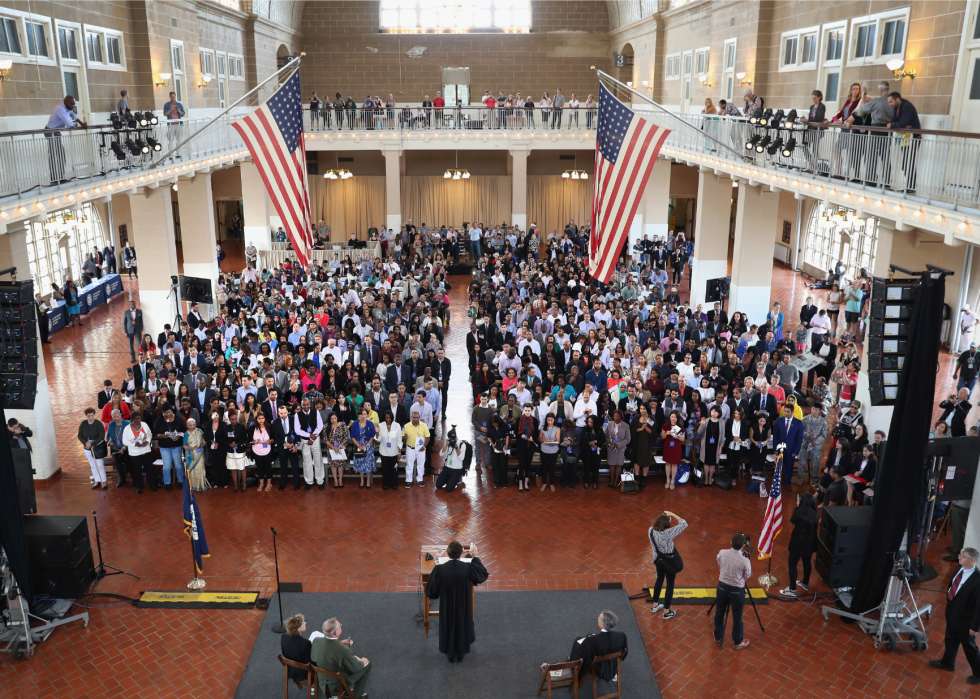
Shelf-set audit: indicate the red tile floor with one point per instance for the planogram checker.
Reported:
(354, 540)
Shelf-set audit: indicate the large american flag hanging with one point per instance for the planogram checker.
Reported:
(274, 136)
(773, 523)
(626, 149)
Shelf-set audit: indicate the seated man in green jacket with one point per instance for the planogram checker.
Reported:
(330, 653)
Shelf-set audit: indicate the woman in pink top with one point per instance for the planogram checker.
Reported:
(262, 449)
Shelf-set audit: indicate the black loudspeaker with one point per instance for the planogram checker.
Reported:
(24, 475)
(717, 289)
(838, 571)
(64, 582)
(60, 554)
(845, 530)
(196, 290)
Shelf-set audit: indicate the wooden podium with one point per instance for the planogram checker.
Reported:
(425, 569)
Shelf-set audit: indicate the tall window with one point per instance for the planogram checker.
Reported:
(177, 65)
(789, 51)
(835, 45)
(839, 234)
(9, 38)
(57, 247)
(37, 44)
(439, 16)
(728, 84)
(113, 54)
(893, 37)
(864, 45)
(94, 43)
(66, 42)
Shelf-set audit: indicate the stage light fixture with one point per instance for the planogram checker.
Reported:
(755, 116)
(791, 115)
(763, 144)
(143, 146)
(776, 146)
(154, 144)
(765, 118)
(131, 122)
(789, 147)
(117, 151)
(115, 121)
(751, 143)
(133, 148)
(141, 118)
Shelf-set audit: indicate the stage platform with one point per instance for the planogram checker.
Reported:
(515, 633)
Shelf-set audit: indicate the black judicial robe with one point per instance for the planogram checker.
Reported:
(450, 584)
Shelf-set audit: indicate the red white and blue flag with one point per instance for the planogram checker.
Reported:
(626, 148)
(273, 134)
(773, 523)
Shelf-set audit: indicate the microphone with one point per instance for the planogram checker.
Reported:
(273, 530)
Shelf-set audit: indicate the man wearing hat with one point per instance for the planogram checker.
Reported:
(967, 366)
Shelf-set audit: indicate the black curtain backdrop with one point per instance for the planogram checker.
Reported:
(11, 520)
(900, 483)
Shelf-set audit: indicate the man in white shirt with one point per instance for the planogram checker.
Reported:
(585, 405)
(475, 233)
(308, 425)
(63, 117)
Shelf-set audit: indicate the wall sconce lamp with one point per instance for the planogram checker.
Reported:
(704, 81)
(5, 69)
(629, 83)
(896, 67)
(164, 79)
(742, 80)
(205, 81)
(646, 85)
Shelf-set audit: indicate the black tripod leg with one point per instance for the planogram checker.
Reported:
(755, 609)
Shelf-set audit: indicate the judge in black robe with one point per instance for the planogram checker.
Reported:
(450, 584)
(603, 643)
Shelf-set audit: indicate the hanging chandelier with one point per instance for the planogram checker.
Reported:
(455, 173)
(575, 173)
(338, 174)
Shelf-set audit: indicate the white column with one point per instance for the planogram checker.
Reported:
(518, 216)
(258, 209)
(393, 189)
(710, 259)
(197, 230)
(877, 417)
(44, 458)
(755, 230)
(656, 200)
(156, 250)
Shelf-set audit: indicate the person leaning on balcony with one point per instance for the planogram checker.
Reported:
(709, 107)
(751, 101)
(63, 117)
(906, 117)
(878, 113)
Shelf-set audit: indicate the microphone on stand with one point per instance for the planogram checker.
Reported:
(278, 627)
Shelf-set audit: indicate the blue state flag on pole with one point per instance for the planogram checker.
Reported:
(194, 528)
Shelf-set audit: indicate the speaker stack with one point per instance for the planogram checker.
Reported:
(844, 533)
(18, 345)
(887, 335)
(60, 554)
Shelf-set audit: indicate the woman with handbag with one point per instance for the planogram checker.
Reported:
(337, 437)
(91, 433)
(666, 558)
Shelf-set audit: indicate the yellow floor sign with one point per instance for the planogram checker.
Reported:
(198, 600)
(706, 595)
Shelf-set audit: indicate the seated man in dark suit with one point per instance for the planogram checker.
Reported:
(603, 643)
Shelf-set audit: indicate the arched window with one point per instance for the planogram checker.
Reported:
(438, 16)
(837, 233)
(57, 248)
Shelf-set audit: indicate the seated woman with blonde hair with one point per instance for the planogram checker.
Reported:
(295, 647)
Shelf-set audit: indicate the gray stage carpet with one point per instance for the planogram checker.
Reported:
(515, 633)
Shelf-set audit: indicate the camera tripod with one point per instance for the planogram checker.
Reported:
(102, 569)
(747, 593)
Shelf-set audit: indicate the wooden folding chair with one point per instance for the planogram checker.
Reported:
(618, 657)
(570, 682)
(343, 691)
(304, 685)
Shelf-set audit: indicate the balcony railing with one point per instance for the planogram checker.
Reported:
(450, 119)
(33, 162)
(936, 167)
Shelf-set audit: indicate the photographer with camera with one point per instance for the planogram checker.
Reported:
(452, 454)
(734, 569)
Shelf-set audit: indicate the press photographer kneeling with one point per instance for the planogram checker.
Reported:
(733, 570)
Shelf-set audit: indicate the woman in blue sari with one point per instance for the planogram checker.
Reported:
(362, 432)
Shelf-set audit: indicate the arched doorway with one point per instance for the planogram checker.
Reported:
(282, 55)
(624, 72)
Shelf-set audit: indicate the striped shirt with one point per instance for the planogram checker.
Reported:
(734, 568)
(665, 540)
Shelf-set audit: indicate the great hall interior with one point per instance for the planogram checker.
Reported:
(799, 220)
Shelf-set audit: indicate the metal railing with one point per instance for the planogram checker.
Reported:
(35, 162)
(449, 119)
(939, 167)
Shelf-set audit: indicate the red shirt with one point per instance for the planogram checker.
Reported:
(438, 103)
(491, 103)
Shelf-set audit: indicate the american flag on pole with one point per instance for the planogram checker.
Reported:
(626, 148)
(773, 523)
(274, 136)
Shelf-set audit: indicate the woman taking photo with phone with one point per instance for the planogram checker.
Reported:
(802, 542)
(666, 558)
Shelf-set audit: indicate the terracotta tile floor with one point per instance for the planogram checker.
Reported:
(356, 540)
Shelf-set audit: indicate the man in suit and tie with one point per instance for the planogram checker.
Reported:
(192, 375)
(201, 394)
(377, 394)
(194, 318)
(473, 340)
(105, 395)
(270, 406)
(194, 357)
(133, 325)
(262, 395)
(441, 371)
(763, 402)
(397, 373)
(287, 445)
(788, 431)
(139, 371)
(963, 616)
(371, 352)
(603, 643)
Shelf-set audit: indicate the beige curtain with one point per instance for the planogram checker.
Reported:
(347, 206)
(438, 201)
(552, 201)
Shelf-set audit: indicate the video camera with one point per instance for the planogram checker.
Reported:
(451, 440)
(747, 545)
